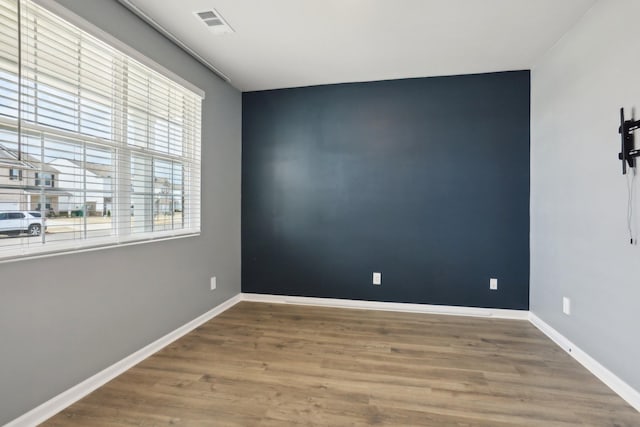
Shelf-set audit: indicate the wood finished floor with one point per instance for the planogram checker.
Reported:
(279, 365)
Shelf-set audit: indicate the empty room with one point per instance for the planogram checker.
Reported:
(332, 213)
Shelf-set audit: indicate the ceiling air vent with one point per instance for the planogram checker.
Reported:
(215, 22)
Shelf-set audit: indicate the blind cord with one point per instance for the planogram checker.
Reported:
(630, 187)
(19, 17)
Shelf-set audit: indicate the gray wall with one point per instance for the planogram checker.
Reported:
(579, 242)
(65, 318)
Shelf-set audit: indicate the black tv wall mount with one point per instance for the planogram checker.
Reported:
(628, 153)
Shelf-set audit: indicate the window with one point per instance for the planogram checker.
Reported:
(45, 179)
(15, 174)
(106, 143)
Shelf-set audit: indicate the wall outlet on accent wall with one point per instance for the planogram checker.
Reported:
(377, 278)
(213, 283)
(566, 306)
(493, 284)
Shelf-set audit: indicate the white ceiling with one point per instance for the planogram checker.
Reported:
(289, 43)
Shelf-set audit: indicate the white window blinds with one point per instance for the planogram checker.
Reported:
(95, 147)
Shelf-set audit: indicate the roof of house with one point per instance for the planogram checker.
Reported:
(10, 158)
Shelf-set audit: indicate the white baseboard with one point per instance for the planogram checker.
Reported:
(624, 390)
(390, 306)
(77, 392)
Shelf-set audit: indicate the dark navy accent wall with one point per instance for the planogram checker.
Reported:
(424, 180)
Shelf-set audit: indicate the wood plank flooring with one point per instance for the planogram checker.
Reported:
(279, 365)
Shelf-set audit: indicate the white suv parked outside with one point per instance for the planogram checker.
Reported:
(13, 223)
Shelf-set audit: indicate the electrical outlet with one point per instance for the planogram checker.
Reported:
(493, 284)
(566, 306)
(213, 283)
(377, 278)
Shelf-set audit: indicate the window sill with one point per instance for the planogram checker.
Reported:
(74, 248)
